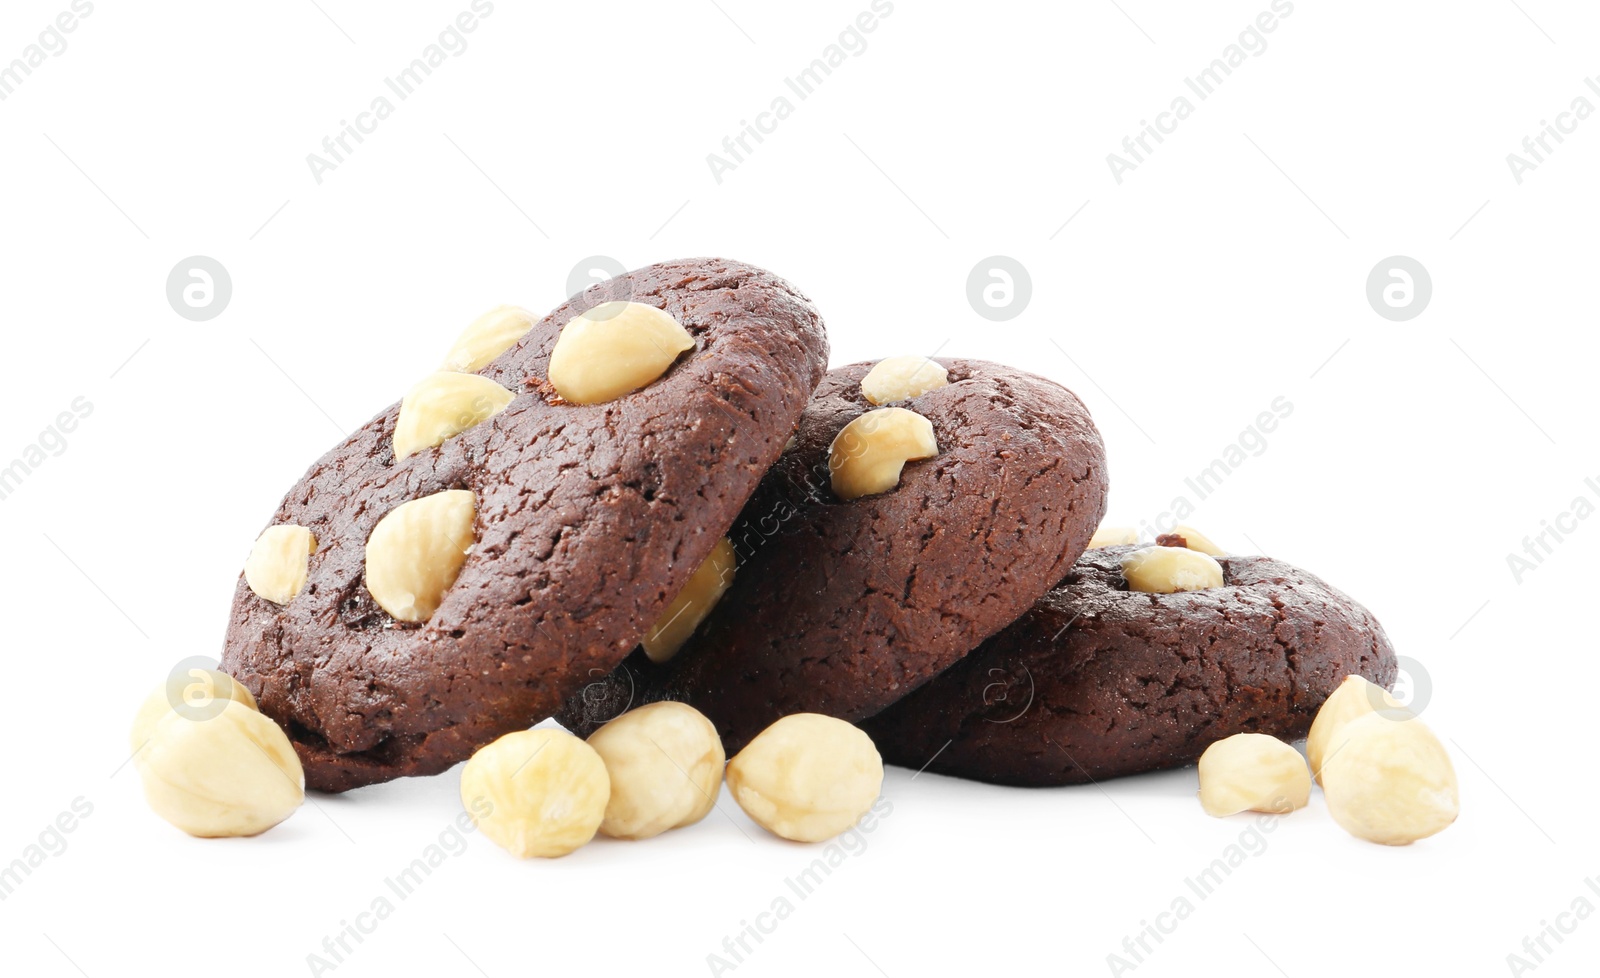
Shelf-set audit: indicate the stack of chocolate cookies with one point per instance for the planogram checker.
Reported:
(678, 501)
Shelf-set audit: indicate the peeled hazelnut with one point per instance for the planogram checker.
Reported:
(867, 455)
(415, 553)
(1113, 536)
(665, 761)
(1353, 699)
(1253, 773)
(1193, 539)
(277, 566)
(1167, 570)
(490, 335)
(614, 349)
(899, 378)
(693, 603)
(807, 777)
(231, 774)
(443, 406)
(537, 792)
(196, 693)
(1391, 781)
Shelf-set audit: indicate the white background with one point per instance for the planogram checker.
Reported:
(1227, 270)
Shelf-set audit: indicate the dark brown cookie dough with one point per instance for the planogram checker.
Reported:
(1098, 681)
(842, 607)
(589, 520)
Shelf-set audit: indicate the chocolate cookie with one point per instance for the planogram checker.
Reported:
(842, 606)
(1098, 681)
(584, 520)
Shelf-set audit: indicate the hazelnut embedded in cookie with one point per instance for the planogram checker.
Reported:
(1190, 539)
(488, 336)
(277, 567)
(614, 349)
(1168, 570)
(711, 579)
(1115, 536)
(415, 553)
(900, 378)
(867, 455)
(442, 406)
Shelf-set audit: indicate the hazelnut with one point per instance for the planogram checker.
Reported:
(1191, 538)
(537, 792)
(230, 774)
(443, 406)
(1252, 772)
(1113, 536)
(416, 551)
(1390, 781)
(665, 761)
(807, 777)
(490, 335)
(1166, 570)
(900, 378)
(277, 566)
(867, 455)
(195, 692)
(614, 349)
(1354, 698)
(693, 603)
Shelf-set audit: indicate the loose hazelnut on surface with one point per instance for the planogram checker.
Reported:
(231, 774)
(416, 551)
(867, 455)
(1113, 536)
(614, 349)
(277, 566)
(1353, 699)
(705, 588)
(665, 761)
(537, 792)
(1167, 570)
(442, 406)
(488, 336)
(899, 378)
(1252, 772)
(807, 777)
(1390, 781)
(195, 692)
(1193, 539)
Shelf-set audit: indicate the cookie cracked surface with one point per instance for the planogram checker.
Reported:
(588, 521)
(1098, 681)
